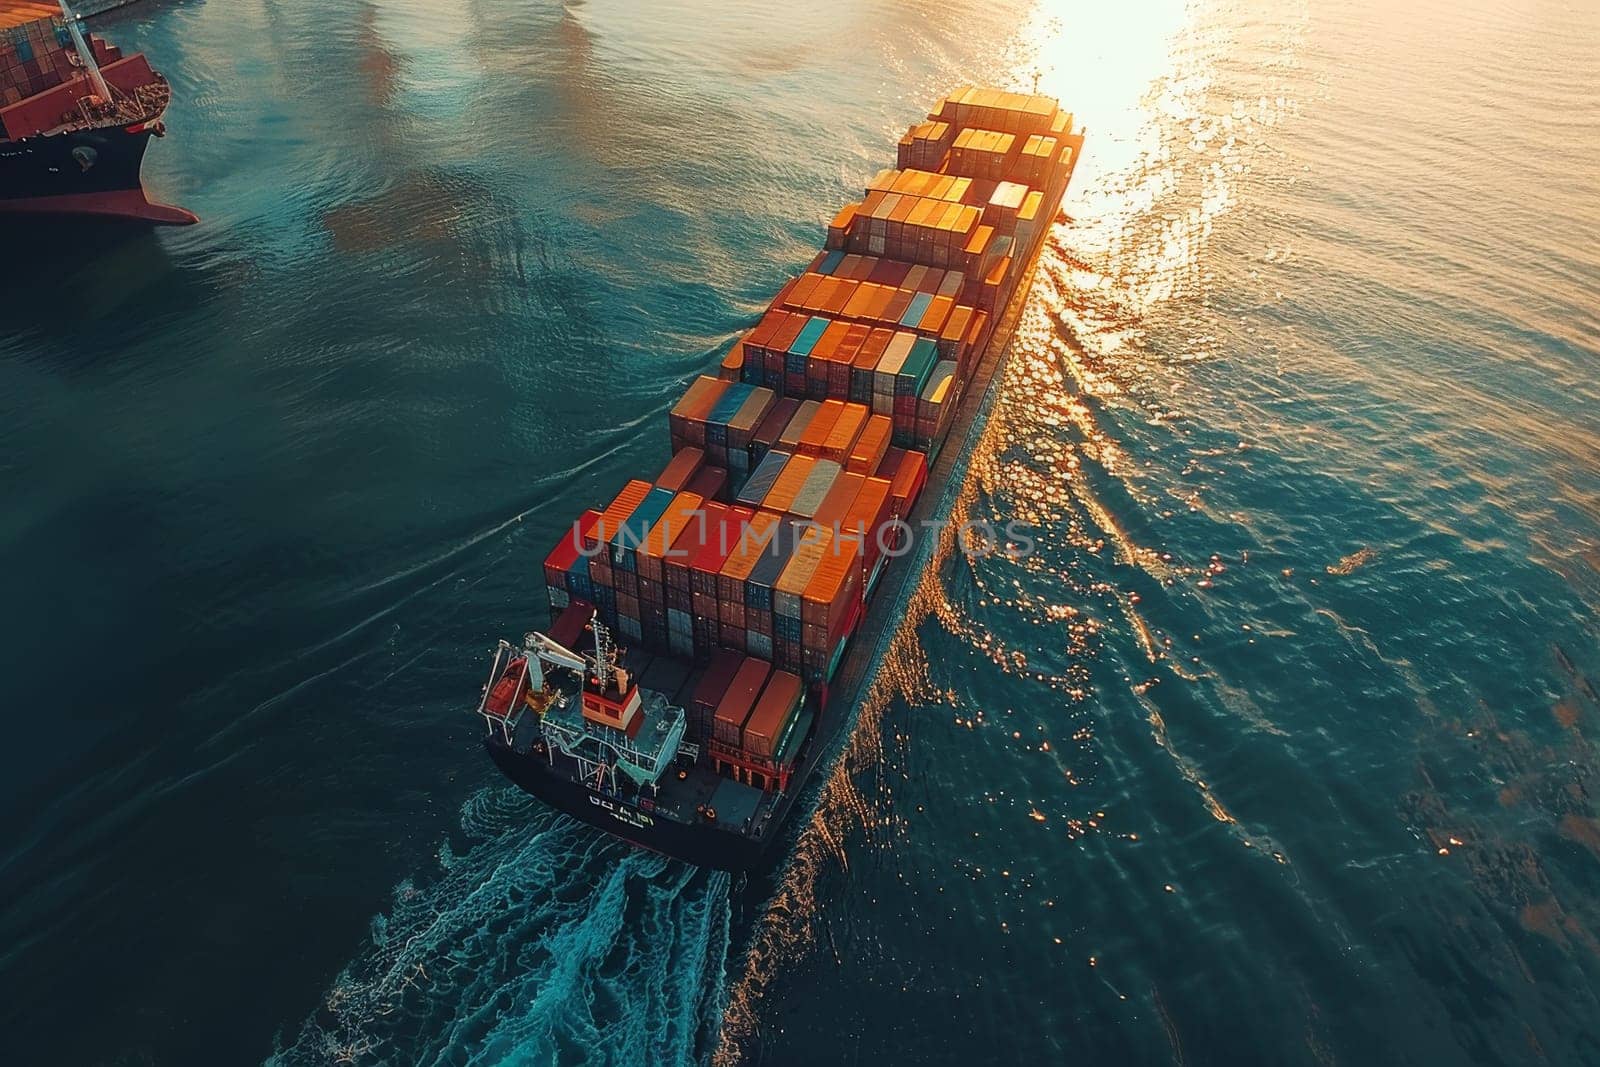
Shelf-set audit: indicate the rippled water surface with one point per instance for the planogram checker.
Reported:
(1279, 748)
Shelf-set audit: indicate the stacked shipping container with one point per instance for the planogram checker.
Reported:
(36, 52)
(756, 546)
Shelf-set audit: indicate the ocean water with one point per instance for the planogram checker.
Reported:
(1279, 748)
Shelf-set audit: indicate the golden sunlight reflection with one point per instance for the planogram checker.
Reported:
(1162, 163)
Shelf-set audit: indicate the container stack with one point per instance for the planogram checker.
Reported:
(925, 144)
(755, 549)
(686, 423)
(731, 425)
(36, 52)
(566, 568)
(935, 408)
(984, 154)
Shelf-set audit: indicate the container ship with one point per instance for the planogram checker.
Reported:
(76, 116)
(710, 627)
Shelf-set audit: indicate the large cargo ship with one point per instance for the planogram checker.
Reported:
(711, 627)
(76, 116)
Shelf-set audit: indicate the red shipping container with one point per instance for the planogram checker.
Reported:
(890, 272)
(724, 528)
(713, 685)
(678, 562)
(772, 425)
(738, 700)
(683, 513)
(709, 482)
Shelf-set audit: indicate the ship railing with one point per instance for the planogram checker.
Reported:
(588, 744)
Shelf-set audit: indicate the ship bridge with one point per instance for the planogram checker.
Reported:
(644, 753)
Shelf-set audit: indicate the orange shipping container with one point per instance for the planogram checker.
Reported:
(908, 481)
(617, 512)
(836, 504)
(934, 318)
(954, 332)
(789, 591)
(870, 447)
(683, 512)
(734, 707)
(861, 301)
(804, 286)
(830, 340)
(837, 295)
(878, 310)
(787, 331)
(733, 363)
(845, 354)
(868, 512)
(698, 400)
(813, 441)
(834, 587)
(842, 437)
(871, 351)
(758, 534)
(783, 491)
(682, 467)
(779, 701)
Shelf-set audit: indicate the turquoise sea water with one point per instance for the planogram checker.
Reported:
(1280, 749)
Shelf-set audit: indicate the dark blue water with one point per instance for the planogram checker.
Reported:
(1281, 747)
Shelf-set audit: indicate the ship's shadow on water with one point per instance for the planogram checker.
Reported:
(93, 287)
(536, 940)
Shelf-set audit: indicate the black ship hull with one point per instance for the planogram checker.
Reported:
(701, 844)
(82, 172)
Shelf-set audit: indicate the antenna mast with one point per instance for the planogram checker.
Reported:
(605, 654)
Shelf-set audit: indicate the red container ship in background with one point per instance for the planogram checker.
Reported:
(75, 118)
(712, 627)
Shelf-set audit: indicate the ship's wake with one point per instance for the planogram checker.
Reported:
(536, 940)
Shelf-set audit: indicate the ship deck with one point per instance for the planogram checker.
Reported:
(687, 794)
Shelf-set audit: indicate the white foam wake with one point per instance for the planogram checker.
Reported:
(536, 941)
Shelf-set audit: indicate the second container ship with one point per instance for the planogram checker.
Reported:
(711, 626)
(76, 116)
